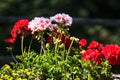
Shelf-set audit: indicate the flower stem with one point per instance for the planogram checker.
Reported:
(56, 47)
(14, 57)
(30, 44)
(22, 38)
(42, 50)
(69, 49)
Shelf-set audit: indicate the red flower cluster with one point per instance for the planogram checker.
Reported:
(92, 54)
(19, 27)
(112, 53)
(93, 51)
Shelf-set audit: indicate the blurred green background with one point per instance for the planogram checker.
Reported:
(105, 9)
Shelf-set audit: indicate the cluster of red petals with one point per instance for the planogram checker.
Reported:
(93, 51)
(82, 42)
(10, 40)
(95, 45)
(92, 54)
(20, 25)
(64, 39)
(112, 53)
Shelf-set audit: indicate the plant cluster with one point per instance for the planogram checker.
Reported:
(61, 57)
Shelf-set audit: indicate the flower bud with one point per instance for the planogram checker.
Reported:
(62, 45)
(74, 39)
(9, 49)
(47, 45)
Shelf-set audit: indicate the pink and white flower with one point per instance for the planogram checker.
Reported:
(39, 23)
(60, 17)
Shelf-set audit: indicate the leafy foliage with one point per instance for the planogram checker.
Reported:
(50, 66)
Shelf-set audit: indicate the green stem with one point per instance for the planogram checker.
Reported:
(22, 38)
(14, 57)
(63, 52)
(56, 48)
(41, 46)
(42, 50)
(30, 44)
(69, 49)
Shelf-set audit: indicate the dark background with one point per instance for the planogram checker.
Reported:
(104, 9)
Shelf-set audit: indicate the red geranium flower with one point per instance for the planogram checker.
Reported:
(20, 25)
(112, 53)
(82, 42)
(92, 54)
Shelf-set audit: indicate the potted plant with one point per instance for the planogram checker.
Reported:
(60, 57)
